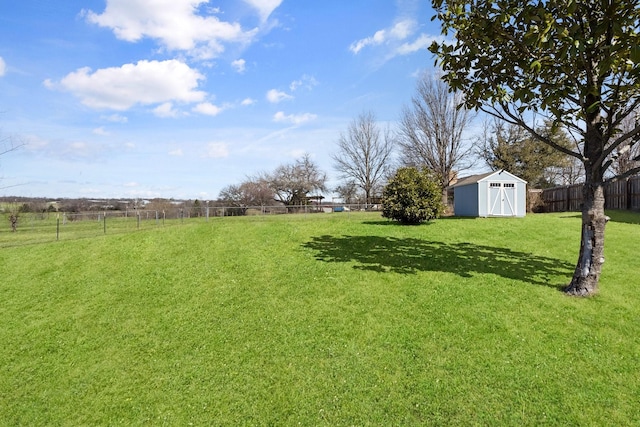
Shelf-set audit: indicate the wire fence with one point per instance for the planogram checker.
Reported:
(17, 229)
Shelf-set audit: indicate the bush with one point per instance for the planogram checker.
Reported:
(412, 197)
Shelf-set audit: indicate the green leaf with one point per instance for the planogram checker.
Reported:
(635, 54)
(535, 66)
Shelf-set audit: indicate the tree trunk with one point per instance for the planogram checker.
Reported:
(587, 273)
(445, 199)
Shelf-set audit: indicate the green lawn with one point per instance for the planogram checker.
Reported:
(325, 319)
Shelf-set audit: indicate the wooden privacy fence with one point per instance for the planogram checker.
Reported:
(623, 194)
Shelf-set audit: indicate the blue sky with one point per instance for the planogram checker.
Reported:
(180, 98)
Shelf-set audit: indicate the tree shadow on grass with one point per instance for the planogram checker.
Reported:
(410, 256)
(392, 223)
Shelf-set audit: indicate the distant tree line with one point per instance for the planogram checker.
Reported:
(433, 135)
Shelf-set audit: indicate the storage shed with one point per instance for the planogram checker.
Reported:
(497, 193)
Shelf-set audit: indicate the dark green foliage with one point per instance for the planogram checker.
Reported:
(510, 147)
(411, 197)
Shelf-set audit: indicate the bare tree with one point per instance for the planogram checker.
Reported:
(293, 183)
(627, 156)
(364, 154)
(252, 192)
(431, 131)
(347, 191)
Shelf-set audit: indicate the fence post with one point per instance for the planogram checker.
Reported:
(104, 225)
(58, 228)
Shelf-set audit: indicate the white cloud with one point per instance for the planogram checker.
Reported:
(217, 150)
(176, 24)
(399, 31)
(79, 150)
(264, 7)
(297, 153)
(69, 151)
(295, 119)
(274, 96)
(306, 81)
(421, 43)
(239, 65)
(403, 29)
(3, 67)
(166, 110)
(177, 152)
(144, 83)
(35, 143)
(208, 109)
(248, 101)
(115, 118)
(100, 131)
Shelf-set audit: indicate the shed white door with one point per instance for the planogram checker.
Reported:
(502, 199)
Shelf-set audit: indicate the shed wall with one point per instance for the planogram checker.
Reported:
(483, 198)
(520, 202)
(465, 200)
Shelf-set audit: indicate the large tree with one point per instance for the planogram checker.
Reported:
(252, 192)
(512, 148)
(431, 131)
(575, 62)
(347, 191)
(364, 154)
(293, 183)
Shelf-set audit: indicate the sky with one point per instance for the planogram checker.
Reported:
(181, 98)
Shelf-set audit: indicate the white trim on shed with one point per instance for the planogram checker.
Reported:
(497, 193)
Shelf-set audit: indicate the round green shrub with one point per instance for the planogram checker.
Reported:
(412, 197)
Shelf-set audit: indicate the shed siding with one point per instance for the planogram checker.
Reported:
(483, 198)
(521, 190)
(465, 201)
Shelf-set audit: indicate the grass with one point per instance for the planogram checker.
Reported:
(337, 319)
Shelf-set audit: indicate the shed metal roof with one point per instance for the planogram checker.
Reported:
(473, 179)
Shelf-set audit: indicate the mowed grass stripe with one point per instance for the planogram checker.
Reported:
(336, 319)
